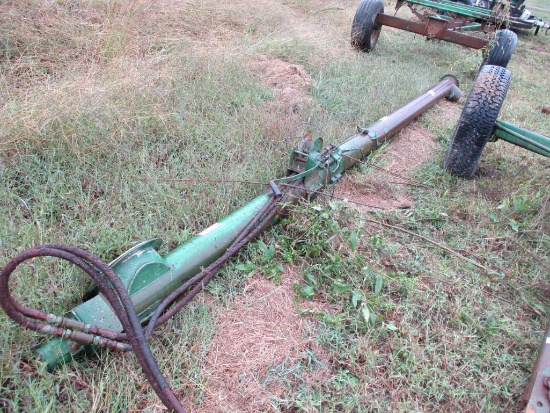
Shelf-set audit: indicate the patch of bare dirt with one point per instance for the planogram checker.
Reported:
(412, 147)
(446, 112)
(291, 82)
(262, 329)
(386, 190)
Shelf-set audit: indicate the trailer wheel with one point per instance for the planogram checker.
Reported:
(364, 31)
(501, 50)
(477, 120)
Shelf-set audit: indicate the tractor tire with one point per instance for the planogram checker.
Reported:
(477, 120)
(501, 49)
(364, 31)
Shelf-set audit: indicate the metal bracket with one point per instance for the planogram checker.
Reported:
(335, 178)
(374, 136)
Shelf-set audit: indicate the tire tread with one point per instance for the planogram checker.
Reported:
(363, 25)
(477, 120)
(502, 48)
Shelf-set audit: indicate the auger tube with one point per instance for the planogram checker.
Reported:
(150, 277)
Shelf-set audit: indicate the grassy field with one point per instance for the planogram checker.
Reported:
(105, 104)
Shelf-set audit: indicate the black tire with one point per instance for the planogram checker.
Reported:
(501, 48)
(477, 120)
(364, 32)
(485, 4)
(465, 2)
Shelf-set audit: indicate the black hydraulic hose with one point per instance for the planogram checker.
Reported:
(111, 287)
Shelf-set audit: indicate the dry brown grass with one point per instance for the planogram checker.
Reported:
(93, 83)
(261, 329)
(41, 40)
(64, 60)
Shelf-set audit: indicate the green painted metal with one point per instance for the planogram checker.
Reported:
(149, 277)
(502, 14)
(452, 7)
(470, 27)
(522, 137)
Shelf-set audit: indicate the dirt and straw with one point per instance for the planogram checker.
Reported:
(266, 323)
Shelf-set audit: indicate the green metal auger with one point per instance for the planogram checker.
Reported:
(149, 277)
(141, 286)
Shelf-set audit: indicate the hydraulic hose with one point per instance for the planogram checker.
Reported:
(110, 286)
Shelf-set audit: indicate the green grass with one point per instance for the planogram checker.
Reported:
(101, 104)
